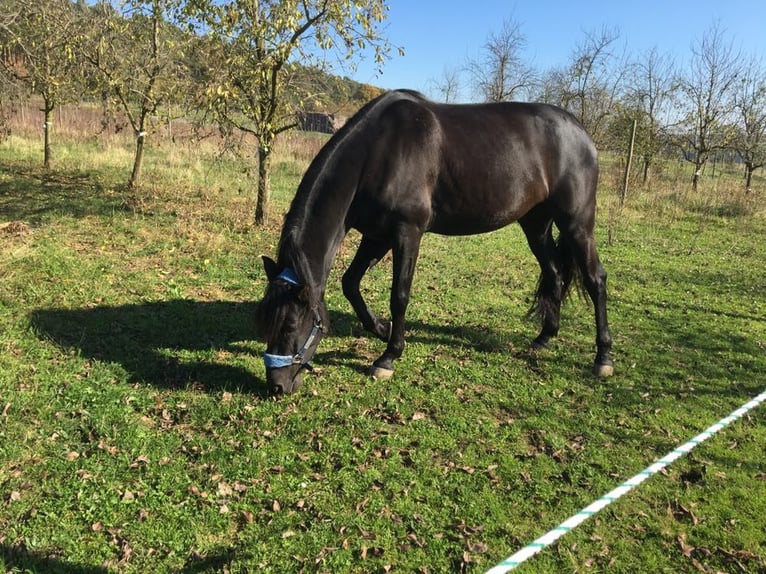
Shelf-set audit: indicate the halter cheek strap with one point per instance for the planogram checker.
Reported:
(306, 352)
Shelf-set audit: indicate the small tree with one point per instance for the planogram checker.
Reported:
(589, 86)
(501, 73)
(750, 107)
(448, 85)
(138, 57)
(708, 97)
(38, 51)
(651, 92)
(595, 77)
(258, 44)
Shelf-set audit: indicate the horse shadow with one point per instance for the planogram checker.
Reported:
(171, 344)
(435, 335)
(184, 343)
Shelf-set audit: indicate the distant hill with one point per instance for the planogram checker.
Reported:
(339, 96)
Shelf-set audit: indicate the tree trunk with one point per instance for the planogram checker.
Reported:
(748, 177)
(647, 169)
(264, 173)
(697, 172)
(135, 177)
(47, 126)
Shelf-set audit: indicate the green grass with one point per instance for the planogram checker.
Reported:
(136, 436)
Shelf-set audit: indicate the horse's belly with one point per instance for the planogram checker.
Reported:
(467, 225)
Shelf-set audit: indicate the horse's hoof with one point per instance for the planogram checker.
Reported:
(604, 370)
(380, 373)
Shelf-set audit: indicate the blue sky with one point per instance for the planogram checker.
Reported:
(437, 34)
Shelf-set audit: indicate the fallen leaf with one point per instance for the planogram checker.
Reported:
(72, 456)
(224, 489)
(478, 548)
(686, 549)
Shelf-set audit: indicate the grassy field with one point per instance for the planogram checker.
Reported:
(136, 435)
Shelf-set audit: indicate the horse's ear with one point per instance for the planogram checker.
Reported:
(270, 267)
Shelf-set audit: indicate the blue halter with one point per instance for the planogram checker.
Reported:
(289, 276)
(306, 352)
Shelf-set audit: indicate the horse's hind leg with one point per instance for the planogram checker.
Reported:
(538, 227)
(369, 253)
(583, 246)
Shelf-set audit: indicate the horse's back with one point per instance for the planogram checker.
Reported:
(470, 168)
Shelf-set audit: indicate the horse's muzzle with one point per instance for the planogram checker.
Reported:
(283, 381)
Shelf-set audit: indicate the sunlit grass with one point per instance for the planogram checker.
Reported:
(136, 436)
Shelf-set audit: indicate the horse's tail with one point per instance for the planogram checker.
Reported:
(547, 299)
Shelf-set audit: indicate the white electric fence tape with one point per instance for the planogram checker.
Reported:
(547, 539)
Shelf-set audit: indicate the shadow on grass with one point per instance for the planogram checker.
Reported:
(168, 344)
(181, 343)
(32, 194)
(20, 559)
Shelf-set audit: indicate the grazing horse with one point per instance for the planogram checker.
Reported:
(404, 166)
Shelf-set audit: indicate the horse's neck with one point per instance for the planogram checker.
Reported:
(320, 248)
(324, 199)
(322, 227)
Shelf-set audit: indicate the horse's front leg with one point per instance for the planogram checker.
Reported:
(367, 255)
(405, 257)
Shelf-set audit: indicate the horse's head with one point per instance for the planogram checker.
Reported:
(292, 322)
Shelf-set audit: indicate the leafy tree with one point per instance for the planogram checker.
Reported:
(259, 44)
(38, 51)
(138, 56)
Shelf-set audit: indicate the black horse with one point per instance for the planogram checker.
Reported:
(404, 165)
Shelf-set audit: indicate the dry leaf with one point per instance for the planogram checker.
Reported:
(224, 489)
(686, 549)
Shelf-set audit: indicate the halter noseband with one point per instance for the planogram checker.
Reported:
(306, 352)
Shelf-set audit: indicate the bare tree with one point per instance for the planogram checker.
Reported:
(448, 85)
(595, 76)
(501, 73)
(651, 91)
(590, 85)
(708, 86)
(750, 107)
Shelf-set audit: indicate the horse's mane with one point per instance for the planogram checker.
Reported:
(289, 252)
